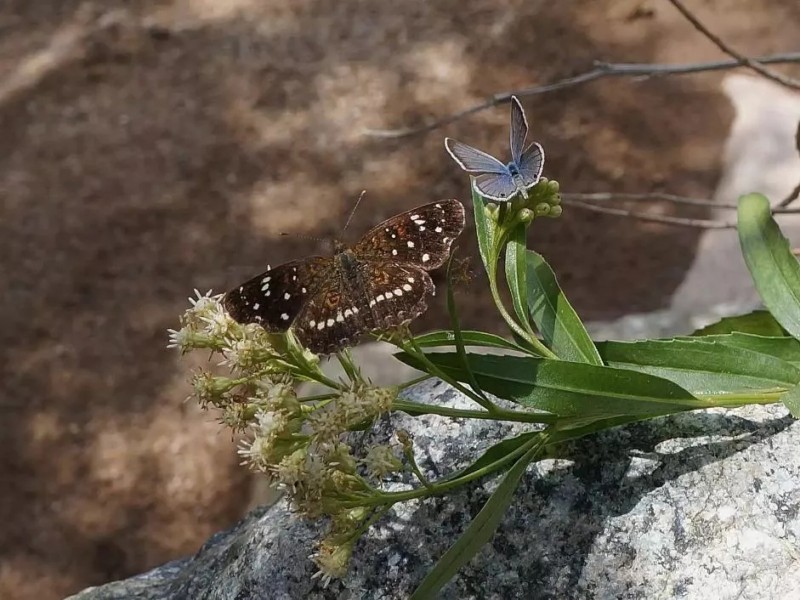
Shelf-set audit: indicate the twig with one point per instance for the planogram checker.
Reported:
(621, 212)
(795, 193)
(610, 196)
(601, 70)
(65, 46)
(743, 60)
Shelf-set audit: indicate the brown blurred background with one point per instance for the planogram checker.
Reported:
(151, 147)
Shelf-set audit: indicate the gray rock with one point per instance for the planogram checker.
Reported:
(701, 505)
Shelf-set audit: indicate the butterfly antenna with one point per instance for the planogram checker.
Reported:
(353, 212)
(303, 237)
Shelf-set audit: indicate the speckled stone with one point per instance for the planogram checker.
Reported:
(702, 505)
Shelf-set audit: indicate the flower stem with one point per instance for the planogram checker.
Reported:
(449, 484)
(500, 414)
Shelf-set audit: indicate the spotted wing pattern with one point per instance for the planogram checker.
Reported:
(335, 317)
(422, 236)
(519, 129)
(495, 187)
(378, 284)
(396, 292)
(274, 298)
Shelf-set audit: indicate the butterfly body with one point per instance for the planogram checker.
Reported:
(379, 283)
(492, 178)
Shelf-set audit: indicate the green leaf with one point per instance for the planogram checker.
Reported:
(486, 230)
(479, 531)
(758, 322)
(459, 341)
(791, 400)
(555, 318)
(471, 338)
(516, 274)
(496, 453)
(769, 258)
(568, 389)
(701, 366)
(785, 348)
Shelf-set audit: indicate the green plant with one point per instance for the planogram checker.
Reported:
(564, 385)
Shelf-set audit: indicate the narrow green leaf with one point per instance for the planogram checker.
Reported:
(486, 230)
(555, 318)
(758, 322)
(516, 274)
(479, 531)
(568, 389)
(785, 348)
(496, 453)
(459, 341)
(791, 400)
(701, 366)
(471, 338)
(769, 258)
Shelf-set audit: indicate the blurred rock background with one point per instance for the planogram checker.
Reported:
(151, 147)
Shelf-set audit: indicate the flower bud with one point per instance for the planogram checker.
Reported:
(526, 216)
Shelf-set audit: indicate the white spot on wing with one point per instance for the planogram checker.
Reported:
(398, 292)
(407, 287)
(284, 316)
(438, 230)
(312, 324)
(410, 244)
(388, 295)
(348, 312)
(410, 280)
(286, 296)
(426, 257)
(394, 252)
(414, 217)
(256, 305)
(330, 322)
(321, 325)
(267, 294)
(339, 318)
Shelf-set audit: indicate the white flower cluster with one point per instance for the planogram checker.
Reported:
(300, 444)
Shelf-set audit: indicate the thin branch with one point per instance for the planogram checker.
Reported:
(795, 193)
(66, 46)
(601, 70)
(649, 196)
(641, 216)
(740, 58)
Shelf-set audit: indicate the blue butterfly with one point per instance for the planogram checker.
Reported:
(493, 179)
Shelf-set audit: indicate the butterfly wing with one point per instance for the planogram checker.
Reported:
(495, 187)
(473, 160)
(421, 236)
(531, 164)
(274, 298)
(396, 292)
(334, 317)
(519, 129)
